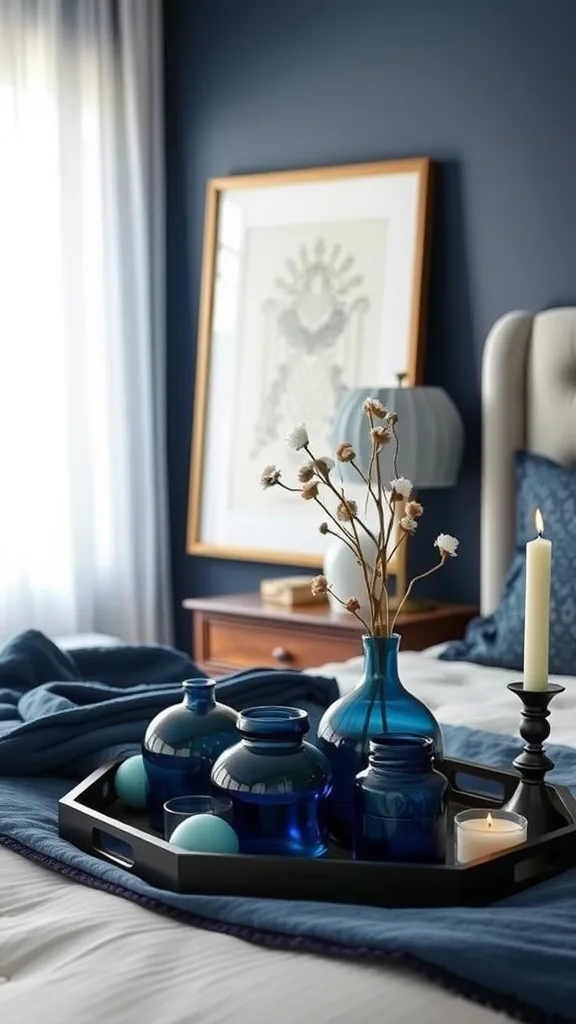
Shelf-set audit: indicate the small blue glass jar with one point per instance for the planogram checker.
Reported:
(277, 784)
(182, 743)
(400, 802)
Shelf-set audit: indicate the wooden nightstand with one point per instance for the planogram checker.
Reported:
(239, 631)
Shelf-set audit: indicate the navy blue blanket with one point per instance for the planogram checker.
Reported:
(65, 713)
(519, 955)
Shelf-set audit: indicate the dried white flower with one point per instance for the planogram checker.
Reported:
(414, 509)
(324, 465)
(352, 605)
(319, 585)
(408, 525)
(372, 406)
(347, 510)
(380, 436)
(401, 488)
(309, 490)
(446, 545)
(298, 438)
(306, 472)
(345, 452)
(268, 477)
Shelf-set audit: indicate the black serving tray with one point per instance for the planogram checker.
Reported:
(92, 819)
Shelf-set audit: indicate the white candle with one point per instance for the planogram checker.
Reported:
(537, 609)
(483, 833)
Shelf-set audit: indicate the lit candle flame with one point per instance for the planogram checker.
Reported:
(539, 520)
(489, 820)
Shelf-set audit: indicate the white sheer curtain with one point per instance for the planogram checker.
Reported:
(83, 523)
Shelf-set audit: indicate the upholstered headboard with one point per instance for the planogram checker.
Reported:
(528, 402)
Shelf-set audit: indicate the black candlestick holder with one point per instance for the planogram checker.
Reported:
(532, 797)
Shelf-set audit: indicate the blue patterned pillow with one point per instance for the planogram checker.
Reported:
(499, 639)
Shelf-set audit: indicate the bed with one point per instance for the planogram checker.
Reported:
(84, 955)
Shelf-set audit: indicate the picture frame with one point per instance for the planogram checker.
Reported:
(313, 282)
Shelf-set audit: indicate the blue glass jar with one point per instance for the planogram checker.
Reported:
(379, 704)
(400, 803)
(277, 783)
(182, 743)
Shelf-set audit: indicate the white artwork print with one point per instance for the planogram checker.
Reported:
(312, 295)
(309, 327)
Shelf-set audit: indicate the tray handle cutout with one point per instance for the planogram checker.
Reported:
(117, 851)
(478, 785)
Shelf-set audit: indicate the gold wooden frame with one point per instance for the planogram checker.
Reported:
(215, 187)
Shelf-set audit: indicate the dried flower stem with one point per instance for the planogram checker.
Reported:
(383, 599)
(397, 545)
(356, 615)
(365, 480)
(363, 748)
(396, 448)
(343, 535)
(385, 559)
(378, 692)
(392, 510)
(392, 507)
(370, 465)
(380, 552)
(338, 494)
(337, 535)
(378, 624)
(368, 483)
(369, 590)
(391, 503)
(409, 589)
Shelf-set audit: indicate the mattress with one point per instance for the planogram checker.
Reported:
(88, 957)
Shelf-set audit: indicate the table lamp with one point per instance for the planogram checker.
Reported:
(431, 437)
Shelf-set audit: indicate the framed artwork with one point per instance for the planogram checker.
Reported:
(312, 283)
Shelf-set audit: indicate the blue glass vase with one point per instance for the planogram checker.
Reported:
(182, 743)
(277, 783)
(379, 704)
(400, 803)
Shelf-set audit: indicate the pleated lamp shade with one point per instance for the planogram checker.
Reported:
(429, 429)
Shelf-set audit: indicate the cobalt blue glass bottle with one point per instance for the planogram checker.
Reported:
(400, 803)
(277, 784)
(379, 704)
(182, 743)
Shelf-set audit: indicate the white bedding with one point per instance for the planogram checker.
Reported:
(70, 954)
(78, 955)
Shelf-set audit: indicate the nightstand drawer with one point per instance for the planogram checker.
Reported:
(229, 644)
(239, 631)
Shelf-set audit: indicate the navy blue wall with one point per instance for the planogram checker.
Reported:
(485, 87)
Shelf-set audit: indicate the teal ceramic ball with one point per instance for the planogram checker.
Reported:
(205, 833)
(130, 782)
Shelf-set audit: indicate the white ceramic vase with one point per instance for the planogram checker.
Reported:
(345, 575)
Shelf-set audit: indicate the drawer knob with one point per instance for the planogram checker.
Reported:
(281, 654)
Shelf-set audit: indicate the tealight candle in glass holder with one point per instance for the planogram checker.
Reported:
(482, 833)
